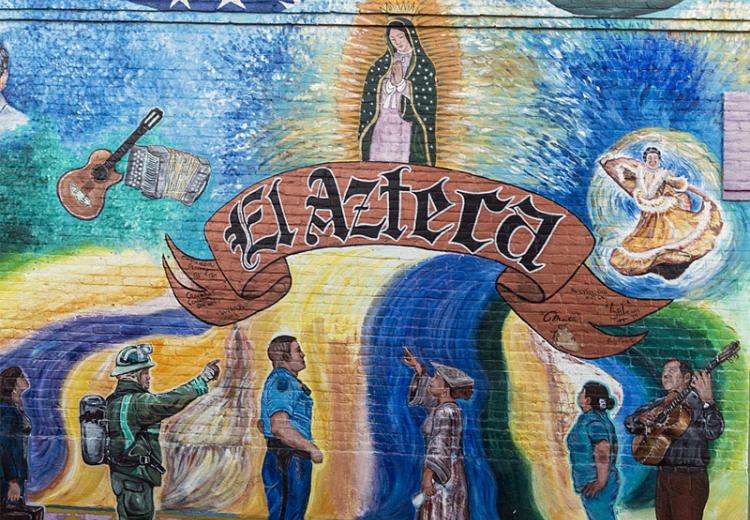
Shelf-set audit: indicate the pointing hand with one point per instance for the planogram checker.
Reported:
(211, 371)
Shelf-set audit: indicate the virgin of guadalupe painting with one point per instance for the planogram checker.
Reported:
(669, 235)
(399, 101)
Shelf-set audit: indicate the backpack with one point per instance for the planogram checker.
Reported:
(92, 414)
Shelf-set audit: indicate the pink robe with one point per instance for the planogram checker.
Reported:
(391, 137)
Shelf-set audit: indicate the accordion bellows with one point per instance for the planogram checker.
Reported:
(161, 172)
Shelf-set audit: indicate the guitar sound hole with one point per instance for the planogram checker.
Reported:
(100, 173)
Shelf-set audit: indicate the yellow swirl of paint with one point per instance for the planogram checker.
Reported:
(61, 287)
(177, 361)
(544, 384)
(330, 296)
(325, 309)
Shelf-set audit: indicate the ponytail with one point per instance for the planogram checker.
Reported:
(598, 396)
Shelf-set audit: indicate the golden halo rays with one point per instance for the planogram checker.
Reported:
(366, 43)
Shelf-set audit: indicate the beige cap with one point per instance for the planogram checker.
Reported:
(454, 377)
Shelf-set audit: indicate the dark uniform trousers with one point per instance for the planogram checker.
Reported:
(135, 497)
(134, 417)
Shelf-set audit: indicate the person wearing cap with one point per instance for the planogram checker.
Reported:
(286, 422)
(444, 490)
(10, 118)
(134, 418)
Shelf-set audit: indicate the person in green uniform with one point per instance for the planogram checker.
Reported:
(134, 418)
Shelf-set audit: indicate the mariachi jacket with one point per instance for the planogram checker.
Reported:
(134, 418)
(14, 432)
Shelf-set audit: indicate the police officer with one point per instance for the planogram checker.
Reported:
(134, 418)
(286, 421)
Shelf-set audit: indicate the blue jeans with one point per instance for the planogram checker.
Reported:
(602, 506)
(286, 479)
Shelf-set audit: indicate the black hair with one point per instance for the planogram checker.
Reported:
(280, 348)
(462, 392)
(8, 379)
(651, 149)
(685, 367)
(598, 396)
(406, 27)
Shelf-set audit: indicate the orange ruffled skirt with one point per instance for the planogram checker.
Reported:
(669, 236)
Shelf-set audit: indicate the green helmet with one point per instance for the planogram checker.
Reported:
(133, 358)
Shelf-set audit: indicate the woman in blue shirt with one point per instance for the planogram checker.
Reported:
(15, 428)
(592, 445)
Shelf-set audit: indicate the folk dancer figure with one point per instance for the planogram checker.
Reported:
(669, 235)
(682, 481)
(134, 418)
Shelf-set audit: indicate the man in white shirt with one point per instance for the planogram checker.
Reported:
(10, 118)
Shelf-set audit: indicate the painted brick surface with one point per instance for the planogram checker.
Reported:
(736, 146)
(486, 206)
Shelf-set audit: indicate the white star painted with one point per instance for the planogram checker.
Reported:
(186, 3)
(238, 3)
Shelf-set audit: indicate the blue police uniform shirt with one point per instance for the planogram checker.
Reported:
(590, 429)
(283, 392)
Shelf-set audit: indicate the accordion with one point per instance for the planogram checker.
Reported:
(159, 172)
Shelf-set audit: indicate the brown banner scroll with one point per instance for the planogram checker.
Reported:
(355, 204)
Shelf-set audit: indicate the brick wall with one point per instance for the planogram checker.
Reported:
(554, 212)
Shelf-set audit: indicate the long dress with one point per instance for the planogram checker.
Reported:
(397, 122)
(391, 137)
(669, 235)
(443, 437)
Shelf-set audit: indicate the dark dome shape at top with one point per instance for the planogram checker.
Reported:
(614, 8)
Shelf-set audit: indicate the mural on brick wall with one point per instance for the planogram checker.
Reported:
(669, 235)
(613, 9)
(399, 102)
(389, 266)
(156, 171)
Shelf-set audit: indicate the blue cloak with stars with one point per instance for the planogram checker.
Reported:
(420, 110)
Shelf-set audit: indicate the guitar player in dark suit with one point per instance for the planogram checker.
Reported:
(682, 481)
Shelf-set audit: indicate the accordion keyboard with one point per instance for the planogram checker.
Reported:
(159, 172)
(150, 183)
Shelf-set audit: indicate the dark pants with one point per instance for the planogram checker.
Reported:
(286, 479)
(135, 497)
(681, 493)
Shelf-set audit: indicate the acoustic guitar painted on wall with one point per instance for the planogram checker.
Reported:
(650, 447)
(82, 192)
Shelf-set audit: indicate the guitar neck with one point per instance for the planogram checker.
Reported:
(151, 120)
(675, 402)
(125, 147)
(684, 393)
